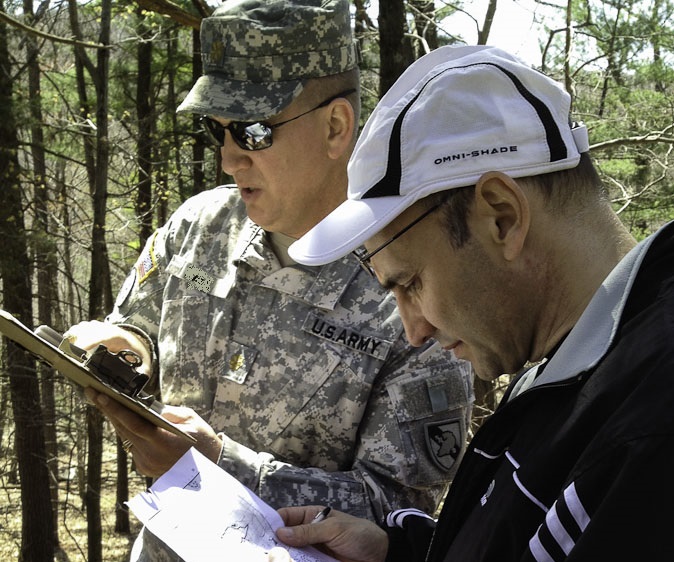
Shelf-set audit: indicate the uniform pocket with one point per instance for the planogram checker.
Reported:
(432, 414)
(280, 404)
(182, 344)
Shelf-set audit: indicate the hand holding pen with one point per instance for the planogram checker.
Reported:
(321, 515)
(344, 537)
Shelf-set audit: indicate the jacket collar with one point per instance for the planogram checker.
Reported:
(593, 334)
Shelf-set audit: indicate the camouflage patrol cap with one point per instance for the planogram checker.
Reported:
(258, 54)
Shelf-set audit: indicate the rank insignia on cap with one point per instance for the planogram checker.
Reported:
(147, 263)
(443, 440)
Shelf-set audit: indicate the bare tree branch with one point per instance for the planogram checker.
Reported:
(627, 199)
(654, 137)
(363, 15)
(15, 23)
(175, 12)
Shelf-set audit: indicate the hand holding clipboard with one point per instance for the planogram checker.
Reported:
(113, 374)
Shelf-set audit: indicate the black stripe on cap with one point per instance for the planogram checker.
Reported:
(390, 183)
(553, 135)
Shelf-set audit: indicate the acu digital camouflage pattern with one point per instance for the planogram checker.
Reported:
(256, 55)
(306, 371)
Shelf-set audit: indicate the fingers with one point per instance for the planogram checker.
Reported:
(87, 335)
(127, 423)
(90, 333)
(154, 449)
(344, 536)
(299, 515)
(208, 442)
(126, 445)
(278, 554)
(301, 531)
(177, 414)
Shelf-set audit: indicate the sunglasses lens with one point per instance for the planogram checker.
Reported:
(251, 136)
(215, 132)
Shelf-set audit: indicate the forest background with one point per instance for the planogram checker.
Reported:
(93, 158)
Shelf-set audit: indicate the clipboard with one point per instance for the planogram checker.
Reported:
(76, 371)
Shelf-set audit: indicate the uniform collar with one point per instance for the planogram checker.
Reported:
(321, 286)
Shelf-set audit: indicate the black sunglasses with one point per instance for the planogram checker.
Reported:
(253, 136)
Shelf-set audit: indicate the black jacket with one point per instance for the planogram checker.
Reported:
(577, 463)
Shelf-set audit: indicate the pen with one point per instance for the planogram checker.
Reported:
(321, 515)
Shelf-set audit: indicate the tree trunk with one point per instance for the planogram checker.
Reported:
(657, 45)
(198, 149)
(93, 491)
(45, 259)
(395, 51)
(145, 117)
(175, 146)
(37, 536)
(82, 62)
(122, 524)
(611, 59)
(100, 290)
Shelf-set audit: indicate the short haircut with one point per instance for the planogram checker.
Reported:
(320, 89)
(565, 191)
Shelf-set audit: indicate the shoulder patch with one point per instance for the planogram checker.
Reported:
(443, 440)
(147, 262)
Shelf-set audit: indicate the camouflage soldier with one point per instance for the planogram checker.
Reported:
(304, 372)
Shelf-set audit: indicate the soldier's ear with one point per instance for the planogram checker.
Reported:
(340, 127)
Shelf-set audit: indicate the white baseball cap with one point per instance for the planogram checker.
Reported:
(453, 115)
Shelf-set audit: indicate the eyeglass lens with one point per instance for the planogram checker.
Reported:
(364, 257)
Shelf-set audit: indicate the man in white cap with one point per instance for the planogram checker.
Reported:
(296, 380)
(480, 209)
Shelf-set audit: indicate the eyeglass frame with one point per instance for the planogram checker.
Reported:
(364, 259)
(214, 129)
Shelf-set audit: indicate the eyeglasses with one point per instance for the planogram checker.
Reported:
(253, 136)
(364, 258)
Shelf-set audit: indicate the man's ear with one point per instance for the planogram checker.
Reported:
(504, 210)
(341, 123)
